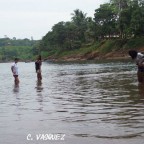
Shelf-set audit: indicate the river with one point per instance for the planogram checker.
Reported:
(85, 102)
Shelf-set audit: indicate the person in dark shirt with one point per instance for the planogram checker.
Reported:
(38, 65)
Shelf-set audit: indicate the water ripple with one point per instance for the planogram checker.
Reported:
(91, 100)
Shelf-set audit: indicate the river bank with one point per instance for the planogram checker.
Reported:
(108, 49)
(91, 56)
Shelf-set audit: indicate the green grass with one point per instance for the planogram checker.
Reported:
(134, 43)
(82, 51)
(102, 47)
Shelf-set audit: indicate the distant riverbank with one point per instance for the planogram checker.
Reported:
(107, 49)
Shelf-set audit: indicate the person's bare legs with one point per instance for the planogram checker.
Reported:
(16, 80)
(39, 76)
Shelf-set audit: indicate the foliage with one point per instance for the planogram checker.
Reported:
(10, 48)
(116, 24)
(134, 43)
(118, 19)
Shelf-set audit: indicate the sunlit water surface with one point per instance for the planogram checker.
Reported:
(95, 102)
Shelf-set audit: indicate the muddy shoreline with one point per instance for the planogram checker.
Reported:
(92, 56)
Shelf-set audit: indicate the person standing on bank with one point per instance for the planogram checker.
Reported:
(38, 65)
(14, 69)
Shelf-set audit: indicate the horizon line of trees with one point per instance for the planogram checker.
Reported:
(22, 48)
(121, 19)
(16, 42)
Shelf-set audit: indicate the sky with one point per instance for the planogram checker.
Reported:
(35, 18)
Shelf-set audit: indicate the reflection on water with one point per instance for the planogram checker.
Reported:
(39, 89)
(16, 88)
(89, 102)
(39, 86)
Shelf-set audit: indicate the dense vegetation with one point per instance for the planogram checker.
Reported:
(118, 20)
(25, 49)
(116, 25)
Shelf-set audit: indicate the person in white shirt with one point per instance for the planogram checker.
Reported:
(14, 69)
(139, 59)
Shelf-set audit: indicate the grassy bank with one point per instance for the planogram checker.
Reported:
(104, 49)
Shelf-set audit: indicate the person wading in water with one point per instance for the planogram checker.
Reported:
(38, 65)
(139, 59)
(14, 69)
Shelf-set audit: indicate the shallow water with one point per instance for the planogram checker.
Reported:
(95, 102)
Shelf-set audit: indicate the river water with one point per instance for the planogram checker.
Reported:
(87, 102)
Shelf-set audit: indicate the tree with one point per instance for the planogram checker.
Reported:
(137, 20)
(90, 32)
(105, 20)
(72, 40)
(80, 21)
